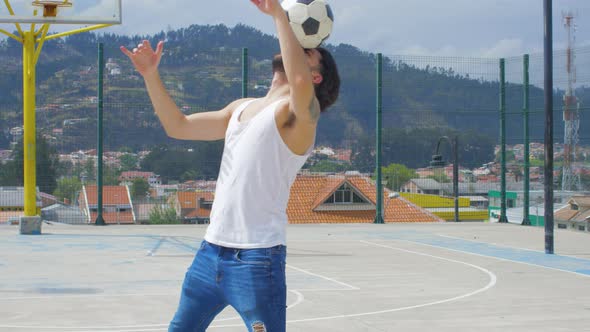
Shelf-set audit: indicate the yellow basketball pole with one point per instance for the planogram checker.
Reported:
(29, 124)
(32, 46)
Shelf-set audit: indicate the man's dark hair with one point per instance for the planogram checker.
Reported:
(327, 92)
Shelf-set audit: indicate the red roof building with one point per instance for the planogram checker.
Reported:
(126, 178)
(117, 204)
(193, 206)
(347, 199)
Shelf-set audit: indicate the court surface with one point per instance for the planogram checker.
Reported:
(394, 277)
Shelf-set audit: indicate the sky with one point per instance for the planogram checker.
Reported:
(479, 28)
(472, 28)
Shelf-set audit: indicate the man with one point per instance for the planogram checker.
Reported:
(241, 262)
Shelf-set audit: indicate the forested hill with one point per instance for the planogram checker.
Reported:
(202, 69)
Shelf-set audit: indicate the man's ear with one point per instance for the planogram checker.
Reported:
(316, 77)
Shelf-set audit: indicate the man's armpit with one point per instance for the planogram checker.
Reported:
(314, 109)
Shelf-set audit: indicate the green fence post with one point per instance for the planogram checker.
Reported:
(527, 158)
(99, 219)
(379, 208)
(548, 87)
(244, 72)
(503, 218)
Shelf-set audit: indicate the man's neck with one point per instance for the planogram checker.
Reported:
(279, 87)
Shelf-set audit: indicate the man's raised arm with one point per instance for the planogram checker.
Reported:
(209, 126)
(303, 101)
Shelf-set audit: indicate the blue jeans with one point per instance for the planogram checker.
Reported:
(252, 281)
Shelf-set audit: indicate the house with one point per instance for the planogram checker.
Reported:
(113, 68)
(5, 156)
(575, 215)
(347, 199)
(444, 206)
(342, 155)
(422, 186)
(63, 214)
(117, 204)
(47, 199)
(480, 188)
(126, 178)
(424, 172)
(163, 190)
(12, 203)
(193, 207)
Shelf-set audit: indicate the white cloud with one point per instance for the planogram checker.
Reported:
(504, 48)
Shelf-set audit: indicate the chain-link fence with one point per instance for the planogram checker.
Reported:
(432, 106)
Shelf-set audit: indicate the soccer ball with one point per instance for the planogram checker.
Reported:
(311, 20)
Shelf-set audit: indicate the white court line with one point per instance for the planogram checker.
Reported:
(492, 283)
(498, 258)
(505, 246)
(323, 277)
(299, 299)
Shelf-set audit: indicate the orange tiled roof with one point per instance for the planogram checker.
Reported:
(307, 190)
(568, 214)
(111, 195)
(189, 199)
(330, 186)
(581, 200)
(565, 214)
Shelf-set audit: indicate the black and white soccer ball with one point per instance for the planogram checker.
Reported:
(311, 20)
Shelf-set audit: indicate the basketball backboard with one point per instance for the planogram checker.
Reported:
(62, 12)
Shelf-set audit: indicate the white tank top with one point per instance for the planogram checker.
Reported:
(255, 178)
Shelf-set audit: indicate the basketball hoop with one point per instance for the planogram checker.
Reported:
(50, 6)
(105, 14)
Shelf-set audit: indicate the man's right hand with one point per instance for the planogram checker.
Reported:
(144, 58)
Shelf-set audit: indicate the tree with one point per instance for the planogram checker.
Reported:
(189, 175)
(517, 172)
(329, 166)
(47, 164)
(110, 176)
(175, 164)
(510, 156)
(89, 171)
(362, 157)
(139, 188)
(396, 175)
(67, 188)
(8, 175)
(128, 162)
(125, 149)
(163, 215)
(440, 177)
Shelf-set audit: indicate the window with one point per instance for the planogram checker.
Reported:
(562, 226)
(511, 203)
(581, 228)
(575, 207)
(345, 195)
